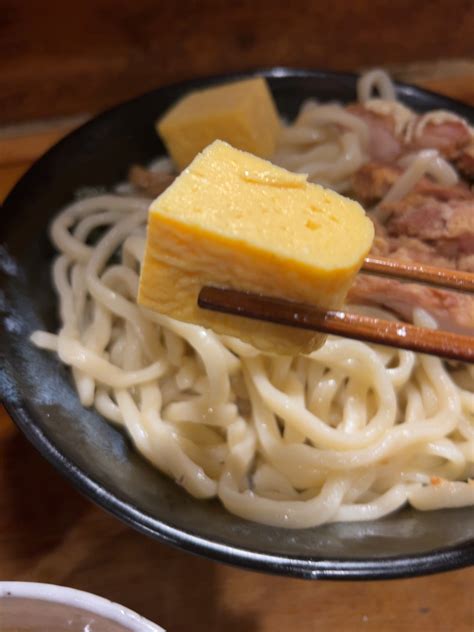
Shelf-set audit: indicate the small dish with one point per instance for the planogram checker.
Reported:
(33, 607)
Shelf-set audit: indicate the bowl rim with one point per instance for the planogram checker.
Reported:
(89, 602)
(393, 567)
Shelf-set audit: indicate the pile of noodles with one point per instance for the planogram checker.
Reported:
(350, 432)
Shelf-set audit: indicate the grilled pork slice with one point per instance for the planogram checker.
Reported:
(394, 131)
(453, 311)
(405, 248)
(447, 135)
(465, 162)
(385, 144)
(150, 183)
(373, 181)
(448, 226)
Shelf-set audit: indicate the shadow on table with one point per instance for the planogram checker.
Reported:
(59, 537)
(37, 506)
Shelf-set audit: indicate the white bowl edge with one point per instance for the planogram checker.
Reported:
(79, 599)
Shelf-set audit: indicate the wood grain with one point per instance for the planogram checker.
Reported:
(22, 144)
(49, 533)
(60, 58)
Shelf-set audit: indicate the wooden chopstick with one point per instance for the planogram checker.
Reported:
(419, 273)
(368, 329)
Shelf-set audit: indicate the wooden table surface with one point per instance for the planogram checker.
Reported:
(60, 58)
(49, 533)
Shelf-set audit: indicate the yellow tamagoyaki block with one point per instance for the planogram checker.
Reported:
(241, 113)
(234, 220)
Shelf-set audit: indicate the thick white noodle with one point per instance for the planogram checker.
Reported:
(350, 432)
(375, 80)
(315, 145)
(437, 117)
(402, 116)
(329, 143)
(425, 162)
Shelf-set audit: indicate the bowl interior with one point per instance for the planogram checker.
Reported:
(34, 607)
(36, 615)
(99, 458)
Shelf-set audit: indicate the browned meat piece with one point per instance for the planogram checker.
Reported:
(411, 249)
(465, 162)
(434, 224)
(453, 311)
(150, 183)
(373, 181)
(384, 145)
(443, 193)
(466, 263)
(405, 248)
(448, 226)
(448, 137)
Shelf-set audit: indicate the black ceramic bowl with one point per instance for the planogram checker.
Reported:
(99, 458)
